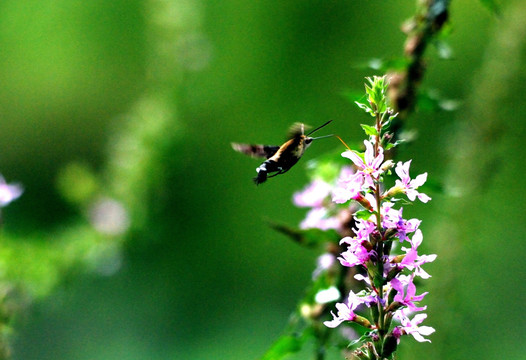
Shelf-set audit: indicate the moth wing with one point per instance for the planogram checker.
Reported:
(296, 129)
(257, 151)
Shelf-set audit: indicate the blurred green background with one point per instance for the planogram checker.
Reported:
(147, 95)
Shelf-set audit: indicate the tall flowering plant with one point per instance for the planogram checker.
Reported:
(384, 245)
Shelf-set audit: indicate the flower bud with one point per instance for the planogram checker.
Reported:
(367, 245)
(375, 238)
(393, 272)
(391, 295)
(362, 321)
(391, 232)
(387, 165)
(364, 202)
(375, 338)
(389, 346)
(394, 306)
(374, 312)
(397, 259)
(387, 320)
(392, 192)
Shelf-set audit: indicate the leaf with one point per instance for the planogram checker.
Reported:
(365, 107)
(378, 281)
(307, 237)
(392, 145)
(371, 91)
(363, 214)
(353, 95)
(369, 130)
(285, 345)
(365, 337)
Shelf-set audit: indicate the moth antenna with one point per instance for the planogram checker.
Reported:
(319, 127)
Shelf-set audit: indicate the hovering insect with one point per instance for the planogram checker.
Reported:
(280, 158)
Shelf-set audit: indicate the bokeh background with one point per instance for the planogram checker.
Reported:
(138, 101)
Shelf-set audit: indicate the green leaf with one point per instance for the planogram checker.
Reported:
(365, 107)
(353, 95)
(365, 337)
(363, 214)
(392, 145)
(369, 130)
(371, 91)
(382, 106)
(285, 345)
(360, 154)
(378, 281)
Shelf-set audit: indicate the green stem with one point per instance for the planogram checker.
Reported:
(380, 245)
(377, 189)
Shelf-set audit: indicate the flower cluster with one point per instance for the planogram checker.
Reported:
(323, 213)
(383, 245)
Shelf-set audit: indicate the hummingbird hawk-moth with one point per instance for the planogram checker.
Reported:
(280, 158)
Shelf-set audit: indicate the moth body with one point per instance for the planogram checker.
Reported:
(279, 158)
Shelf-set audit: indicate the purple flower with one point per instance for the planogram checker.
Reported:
(323, 263)
(397, 333)
(393, 219)
(8, 192)
(369, 167)
(409, 298)
(319, 218)
(411, 327)
(345, 311)
(349, 186)
(355, 254)
(409, 186)
(390, 266)
(312, 195)
(363, 229)
(412, 261)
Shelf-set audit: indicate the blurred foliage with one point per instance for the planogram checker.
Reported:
(127, 108)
